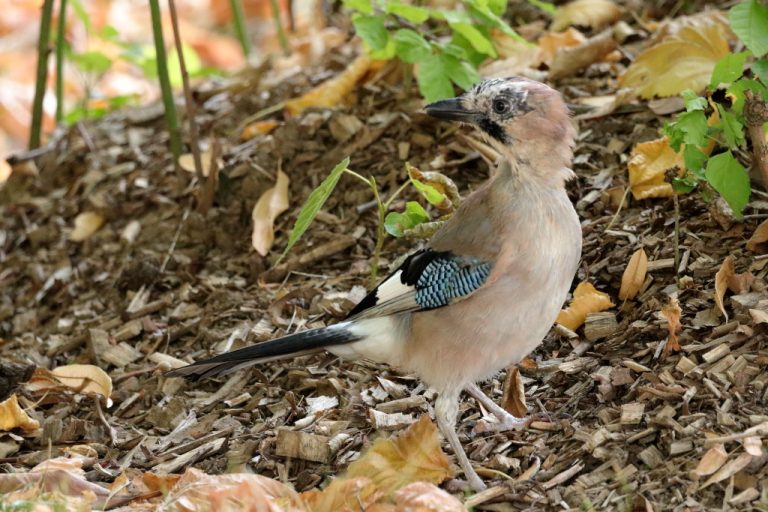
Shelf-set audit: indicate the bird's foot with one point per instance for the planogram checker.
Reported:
(505, 423)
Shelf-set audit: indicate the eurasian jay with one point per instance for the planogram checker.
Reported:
(488, 287)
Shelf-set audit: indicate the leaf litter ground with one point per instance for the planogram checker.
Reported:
(621, 423)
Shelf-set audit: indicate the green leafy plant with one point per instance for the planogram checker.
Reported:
(396, 224)
(713, 121)
(446, 46)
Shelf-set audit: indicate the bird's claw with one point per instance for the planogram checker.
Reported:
(505, 424)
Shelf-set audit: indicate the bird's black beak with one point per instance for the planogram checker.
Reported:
(451, 110)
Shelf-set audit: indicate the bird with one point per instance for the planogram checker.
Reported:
(489, 284)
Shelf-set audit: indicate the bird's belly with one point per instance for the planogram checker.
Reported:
(473, 339)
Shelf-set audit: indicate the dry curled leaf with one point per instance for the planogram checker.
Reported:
(710, 462)
(725, 273)
(585, 13)
(513, 400)
(80, 378)
(729, 469)
(424, 497)
(86, 224)
(647, 166)
(671, 311)
(413, 456)
(551, 42)
(272, 203)
(331, 92)
(586, 300)
(13, 416)
(683, 60)
(759, 238)
(60, 475)
(634, 275)
(263, 127)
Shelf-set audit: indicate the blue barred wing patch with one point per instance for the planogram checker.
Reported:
(446, 279)
(427, 279)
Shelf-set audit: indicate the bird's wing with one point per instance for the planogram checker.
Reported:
(427, 279)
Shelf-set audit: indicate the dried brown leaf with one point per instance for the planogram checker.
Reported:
(725, 273)
(13, 416)
(647, 166)
(585, 13)
(86, 224)
(586, 300)
(80, 378)
(272, 203)
(513, 400)
(551, 42)
(187, 162)
(634, 275)
(671, 311)
(759, 316)
(343, 494)
(413, 456)
(424, 497)
(683, 60)
(710, 462)
(753, 445)
(729, 469)
(758, 238)
(262, 127)
(331, 92)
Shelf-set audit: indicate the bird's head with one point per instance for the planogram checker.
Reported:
(526, 121)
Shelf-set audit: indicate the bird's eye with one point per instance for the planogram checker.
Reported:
(501, 106)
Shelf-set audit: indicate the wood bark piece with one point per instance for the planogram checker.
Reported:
(600, 325)
(301, 445)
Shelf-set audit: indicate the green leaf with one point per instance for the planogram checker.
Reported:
(760, 69)
(371, 29)
(192, 62)
(92, 62)
(433, 81)
(693, 101)
(477, 39)
(694, 158)
(749, 20)
(690, 128)
(397, 223)
(315, 201)
(544, 6)
(730, 179)
(430, 193)
(410, 46)
(82, 13)
(736, 93)
(411, 13)
(460, 72)
(386, 53)
(498, 7)
(362, 6)
(728, 69)
(733, 130)
(684, 184)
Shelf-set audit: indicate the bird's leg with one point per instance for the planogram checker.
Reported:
(446, 411)
(506, 421)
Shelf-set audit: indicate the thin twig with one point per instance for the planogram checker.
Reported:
(42, 74)
(60, 40)
(239, 20)
(161, 59)
(193, 135)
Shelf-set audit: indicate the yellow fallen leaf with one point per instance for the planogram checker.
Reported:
(710, 462)
(634, 275)
(586, 300)
(331, 92)
(585, 13)
(551, 42)
(684, 60)
(272, 203)
(413, 456)
(80, 378)
(758, 238)
(86, 224)
(726, 272)
(187, 162)
(648, 163)
(513, 400)
(13, 416)
(671, 311)
(344, 494)
(263, 127)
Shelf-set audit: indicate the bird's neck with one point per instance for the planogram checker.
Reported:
(545, 166)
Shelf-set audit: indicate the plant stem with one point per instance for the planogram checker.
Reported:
(756, 115)
(239, 19)
(60, 40)
(165, 83)
(42, 74)
(380, 231)
(193, 136)
(396, 193)
(676, 200)
(279, 27)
